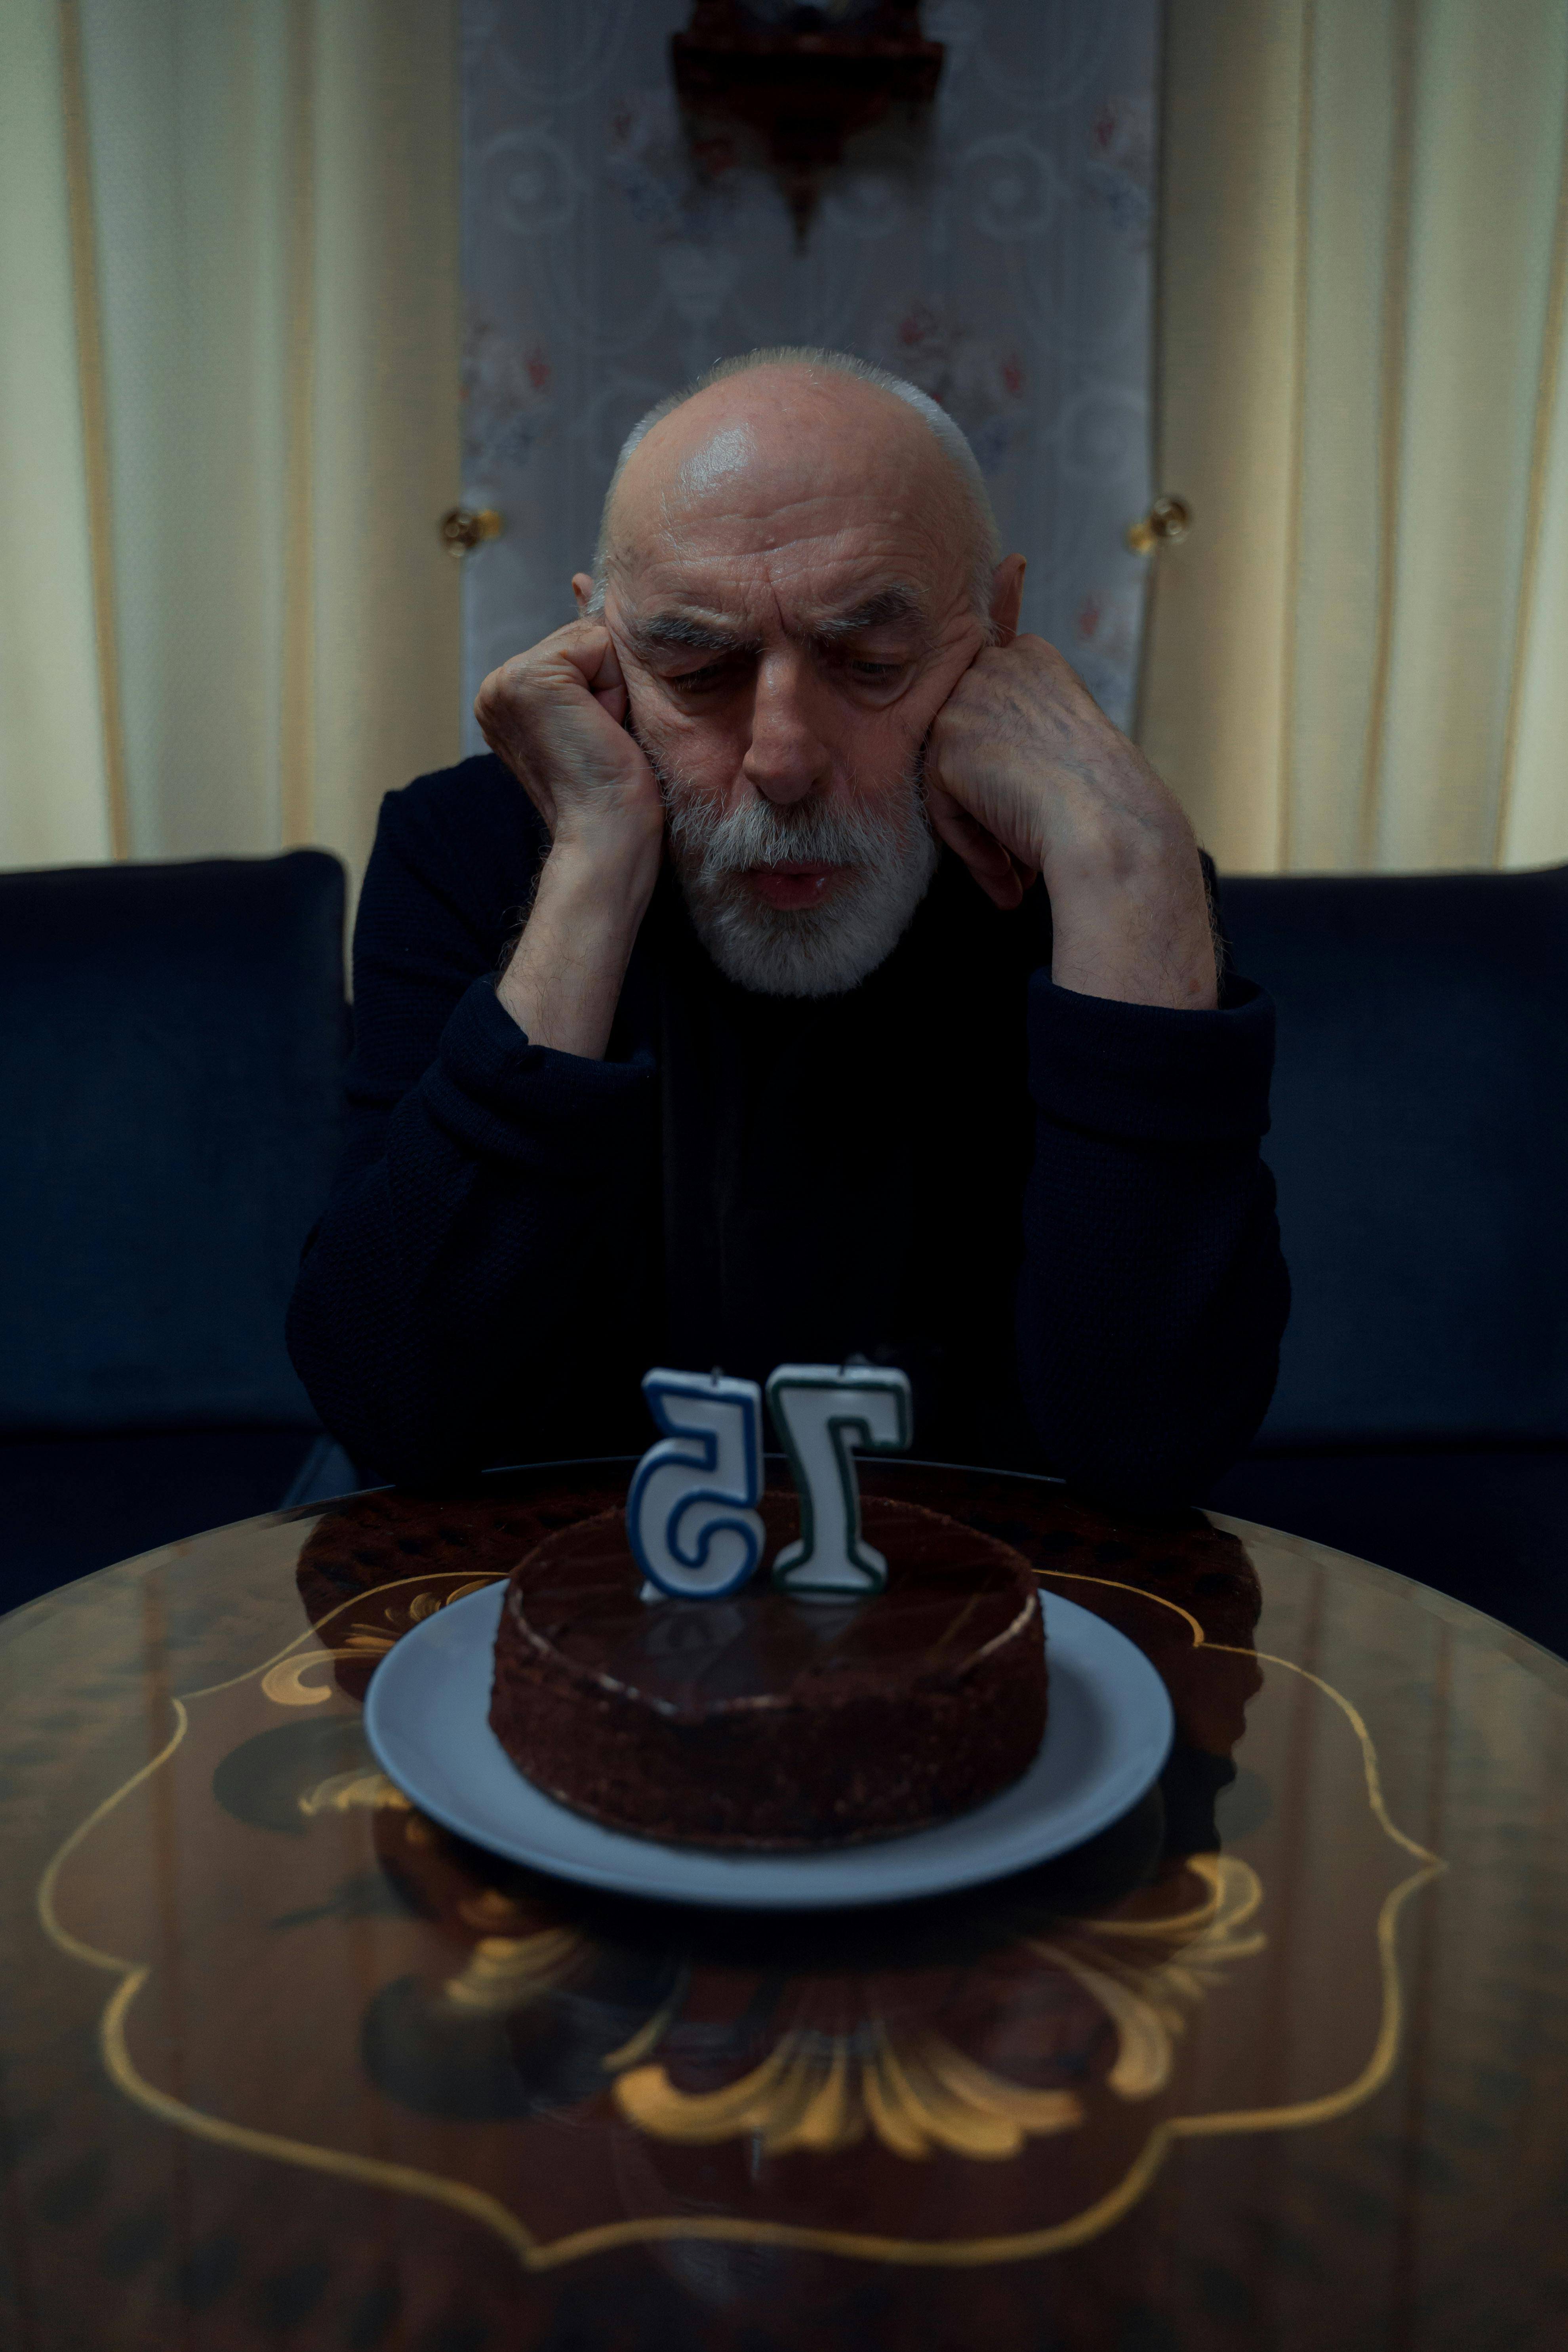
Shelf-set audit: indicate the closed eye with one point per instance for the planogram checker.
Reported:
(716, 676)
(703, 682)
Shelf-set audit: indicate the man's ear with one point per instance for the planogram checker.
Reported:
(582, 588)
(1006, 597)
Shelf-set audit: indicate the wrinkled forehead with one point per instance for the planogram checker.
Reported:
(804, 505)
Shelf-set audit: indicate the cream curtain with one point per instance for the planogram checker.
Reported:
(228, 421)
(1359, 657)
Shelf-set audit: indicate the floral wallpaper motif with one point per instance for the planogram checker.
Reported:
(999, 256)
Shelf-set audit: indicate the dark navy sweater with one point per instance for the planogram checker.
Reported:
(1048, 1208)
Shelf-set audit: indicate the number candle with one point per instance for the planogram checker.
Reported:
(690, 1519)
(822, 1412)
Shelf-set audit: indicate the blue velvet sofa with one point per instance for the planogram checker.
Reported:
(1420, 1143)
(171, 1042)
(172, 1039)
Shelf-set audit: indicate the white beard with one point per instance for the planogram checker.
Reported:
(822, 951)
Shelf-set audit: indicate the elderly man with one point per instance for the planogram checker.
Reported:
(813, 970)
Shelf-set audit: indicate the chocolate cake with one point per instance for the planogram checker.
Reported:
(766, 1720)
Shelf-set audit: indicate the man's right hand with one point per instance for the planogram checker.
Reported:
(554, 715)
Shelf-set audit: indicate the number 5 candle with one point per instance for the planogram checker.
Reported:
(691, 1516)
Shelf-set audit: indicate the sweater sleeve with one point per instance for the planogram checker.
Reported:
(1153, 1293)
(484, 1233)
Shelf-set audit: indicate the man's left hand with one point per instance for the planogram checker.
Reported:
(1024, 775)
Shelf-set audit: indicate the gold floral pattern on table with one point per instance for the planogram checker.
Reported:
(824, 2093)
(287, 1682)
(917, 2092)
(1000, 2076)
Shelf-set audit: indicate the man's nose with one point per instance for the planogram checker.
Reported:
(786, 757)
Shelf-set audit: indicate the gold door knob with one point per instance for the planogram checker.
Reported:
(1167, 518)
(465, 527)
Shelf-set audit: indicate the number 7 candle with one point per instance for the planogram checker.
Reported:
(823, 1413)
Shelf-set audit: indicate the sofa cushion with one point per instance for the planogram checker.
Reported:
(71, 1505)
(171, 1040)
(1489, 1525)
(1420, 1143)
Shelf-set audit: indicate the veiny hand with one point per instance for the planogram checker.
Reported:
(554, 715)
(1022, 763)
(1025, 775)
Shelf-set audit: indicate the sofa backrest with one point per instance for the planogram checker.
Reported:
(171, 1040)
(1420, 1141)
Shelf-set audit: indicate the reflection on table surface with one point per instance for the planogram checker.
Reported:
(1280, 2057)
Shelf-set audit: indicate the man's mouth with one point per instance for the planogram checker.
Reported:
(793, 883)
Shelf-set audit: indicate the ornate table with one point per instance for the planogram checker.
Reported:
(1281, 2058)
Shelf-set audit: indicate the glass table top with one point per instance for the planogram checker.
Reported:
(1281, 2058)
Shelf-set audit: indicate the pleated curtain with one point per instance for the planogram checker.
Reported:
(229, 373)
(1359, 657)
(229, 423)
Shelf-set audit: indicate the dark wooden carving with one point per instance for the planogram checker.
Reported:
(803, 79)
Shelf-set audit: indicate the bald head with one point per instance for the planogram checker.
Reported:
(789, 440)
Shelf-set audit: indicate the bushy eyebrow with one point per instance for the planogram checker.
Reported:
(683, 633)
(665, 632)
(890, 604)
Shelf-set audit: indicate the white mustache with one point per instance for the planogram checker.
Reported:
(811, 832)
(759, 835)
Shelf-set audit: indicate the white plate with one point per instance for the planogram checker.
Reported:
(1108, 1733)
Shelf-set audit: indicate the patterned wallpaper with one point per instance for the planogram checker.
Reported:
(1000, 258)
